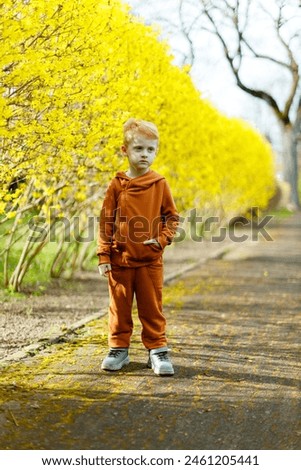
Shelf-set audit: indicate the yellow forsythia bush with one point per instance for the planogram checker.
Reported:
(71, 73)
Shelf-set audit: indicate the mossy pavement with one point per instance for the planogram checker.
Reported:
(233, 327)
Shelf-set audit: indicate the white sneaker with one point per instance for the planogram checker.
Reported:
(116, 359)
(160, 362)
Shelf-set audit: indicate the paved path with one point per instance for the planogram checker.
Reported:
(234, 333)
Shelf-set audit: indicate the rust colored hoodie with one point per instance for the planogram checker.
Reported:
(135, 210)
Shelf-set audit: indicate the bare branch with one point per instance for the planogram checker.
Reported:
(253, 92)
(264, 56)
(293, 65)
(186, 33)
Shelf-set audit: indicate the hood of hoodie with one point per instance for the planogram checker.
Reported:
(139, 182)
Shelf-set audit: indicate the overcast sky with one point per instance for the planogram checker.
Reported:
(211, 74)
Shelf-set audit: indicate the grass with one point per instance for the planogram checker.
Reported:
(37, 277)
(281, 213)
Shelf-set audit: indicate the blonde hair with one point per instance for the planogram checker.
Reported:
(133, 126)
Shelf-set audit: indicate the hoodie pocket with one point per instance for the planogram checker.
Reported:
(141, 252)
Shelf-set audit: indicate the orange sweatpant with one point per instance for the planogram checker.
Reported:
(146, 283)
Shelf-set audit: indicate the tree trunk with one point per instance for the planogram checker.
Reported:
(290, 163)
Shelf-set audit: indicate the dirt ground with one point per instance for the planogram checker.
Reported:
(34, 318)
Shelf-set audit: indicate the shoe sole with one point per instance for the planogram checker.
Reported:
(125, 362)
(162, 374)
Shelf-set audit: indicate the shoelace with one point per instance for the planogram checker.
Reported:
(115, 352)
(162, 356)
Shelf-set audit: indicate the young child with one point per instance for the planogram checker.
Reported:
(138, 219)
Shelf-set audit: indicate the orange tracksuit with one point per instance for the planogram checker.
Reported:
(135, 210)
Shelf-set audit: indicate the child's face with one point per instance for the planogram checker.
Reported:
(141, 153)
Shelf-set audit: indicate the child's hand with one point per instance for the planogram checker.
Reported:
(152, 241)
(104, 269)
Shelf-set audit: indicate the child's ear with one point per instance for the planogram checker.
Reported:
(123, 150)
